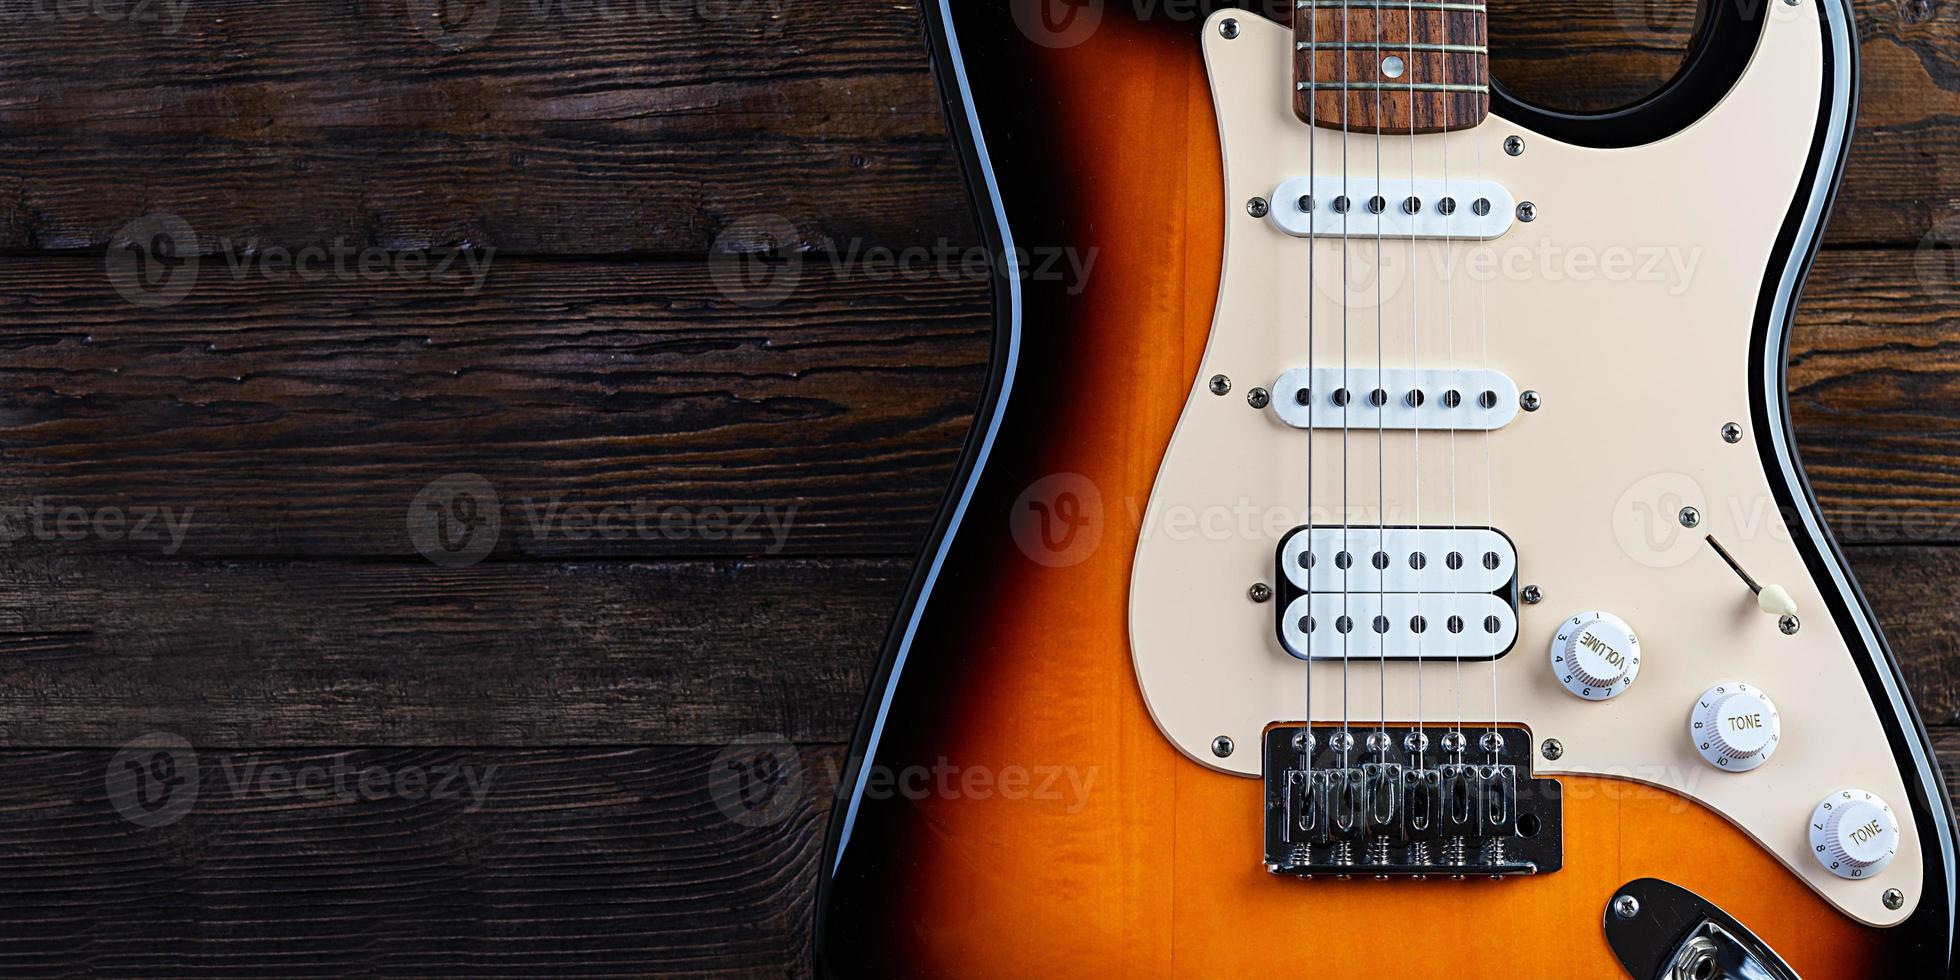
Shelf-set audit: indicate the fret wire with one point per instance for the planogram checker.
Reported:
(1394, 46)
(1331, 87)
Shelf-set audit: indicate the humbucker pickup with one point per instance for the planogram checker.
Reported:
(1397, 592)
(1438, 400)
(1397, 802)
(1357, 206)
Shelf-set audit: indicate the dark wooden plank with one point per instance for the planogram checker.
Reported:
(304, 417)
(603, 861)
(1875, 394)
(624, 861)
(305, 653)
(285, 124)
(1913, 591)
(571, 126)
(95, 649)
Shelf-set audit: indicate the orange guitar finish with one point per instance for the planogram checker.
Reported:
(1046, 827)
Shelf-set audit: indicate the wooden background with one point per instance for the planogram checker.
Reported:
(603, 150)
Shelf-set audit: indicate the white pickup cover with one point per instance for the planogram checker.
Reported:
(1417, 559)
(1463, 199)
(1473, 616)
(1460, 399)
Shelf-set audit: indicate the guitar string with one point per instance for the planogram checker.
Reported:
(1415, 365)
(1380, 561)
(1483, 333)
(1313, 77)
(1455, 389)
(1346, 624)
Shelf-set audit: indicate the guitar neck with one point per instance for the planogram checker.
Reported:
(1391, 66)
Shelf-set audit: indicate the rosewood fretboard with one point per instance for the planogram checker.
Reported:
(1391, 66)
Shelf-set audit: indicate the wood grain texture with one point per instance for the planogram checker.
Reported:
(302, 418)
(299, 421)
(552, 126)
(624, 861)
(95, 650)
(569, 131)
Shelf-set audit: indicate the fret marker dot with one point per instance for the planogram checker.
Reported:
(1393, 66)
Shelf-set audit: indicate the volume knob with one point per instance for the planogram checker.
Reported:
(1853, 834)
(1595, 655)
(1735, 727)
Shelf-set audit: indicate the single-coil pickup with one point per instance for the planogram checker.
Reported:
(1397, 592)
(1398, 626)
(1358, 206)
(1397, 559)
(1400, 399)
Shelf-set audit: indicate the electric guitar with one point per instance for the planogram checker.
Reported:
(1380, 550)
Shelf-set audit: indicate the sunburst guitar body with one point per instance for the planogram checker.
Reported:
(1380, 549)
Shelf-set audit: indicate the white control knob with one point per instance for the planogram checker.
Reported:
(1853, 834)
(1595, 655)
(1734, 727)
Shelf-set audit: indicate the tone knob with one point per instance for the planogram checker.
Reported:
(1734, 727)
(1853, 834)
(1595, 655)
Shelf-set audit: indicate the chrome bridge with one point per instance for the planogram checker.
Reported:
(1380, 807)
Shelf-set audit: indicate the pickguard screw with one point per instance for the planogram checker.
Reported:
(1894, 899)
(1514, 146)
(1260, 592)
(1789, 625)
(1527, 211)
(1257, 207)
(1533, 595)
(1258, 398)
(1690, 517)
(1731, 433)
(1221, 385)
(1626, 906)
(1221, 746)
(1531, 401)
(1552, 749)
(1229, 28)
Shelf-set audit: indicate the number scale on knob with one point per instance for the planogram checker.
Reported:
(1853, 833)
(1596, 655)
(1735, 727)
